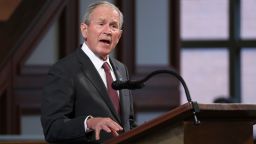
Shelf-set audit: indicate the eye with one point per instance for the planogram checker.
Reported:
(114, 26)
(100, 23)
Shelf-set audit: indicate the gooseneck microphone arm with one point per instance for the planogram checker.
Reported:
(118, 85)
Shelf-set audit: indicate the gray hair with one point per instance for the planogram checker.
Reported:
(91, 7)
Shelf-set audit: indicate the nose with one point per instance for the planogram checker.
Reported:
(107, 30)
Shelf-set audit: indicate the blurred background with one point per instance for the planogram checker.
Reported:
(210, 43)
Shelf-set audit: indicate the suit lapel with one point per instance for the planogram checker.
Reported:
(124, 99)
(92, 74)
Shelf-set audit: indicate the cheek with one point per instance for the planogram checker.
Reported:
(92, 33)
(92, 37)
(117, 37)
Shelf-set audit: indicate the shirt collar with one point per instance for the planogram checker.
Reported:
(97, 62)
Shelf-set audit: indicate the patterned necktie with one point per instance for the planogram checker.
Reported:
(111, 92)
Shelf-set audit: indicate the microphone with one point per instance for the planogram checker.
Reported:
(118, 85)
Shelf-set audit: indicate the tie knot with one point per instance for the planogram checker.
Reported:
(106, 66)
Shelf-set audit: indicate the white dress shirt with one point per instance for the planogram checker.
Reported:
(97, 62)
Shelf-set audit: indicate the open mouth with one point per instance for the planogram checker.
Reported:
(105, 41)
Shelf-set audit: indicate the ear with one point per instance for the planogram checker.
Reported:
(84, 29)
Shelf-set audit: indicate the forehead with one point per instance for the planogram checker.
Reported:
(105, 11)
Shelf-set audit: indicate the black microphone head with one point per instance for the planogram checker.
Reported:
(118, 85)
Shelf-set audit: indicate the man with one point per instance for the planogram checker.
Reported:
(76, 106)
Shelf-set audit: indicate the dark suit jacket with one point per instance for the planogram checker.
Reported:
(75, 90)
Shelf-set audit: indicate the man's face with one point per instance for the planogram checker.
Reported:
(103, 32)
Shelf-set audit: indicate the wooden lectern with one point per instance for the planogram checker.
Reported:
(220, 124)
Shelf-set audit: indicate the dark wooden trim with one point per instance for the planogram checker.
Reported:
(10, 115)
(3, 109)
(3, 95)
(235, 50)
(35, 69)
(69, 28)
(206, 44)
(247, 43)
(9, 121)
(14, 140)
(218, 44)
(126, 47)
(174, 34)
